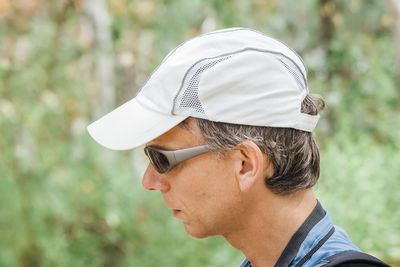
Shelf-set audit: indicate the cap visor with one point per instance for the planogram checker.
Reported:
(131, 125)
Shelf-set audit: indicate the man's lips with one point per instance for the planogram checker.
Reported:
(175, 211)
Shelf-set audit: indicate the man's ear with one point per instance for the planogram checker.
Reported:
(250, 165)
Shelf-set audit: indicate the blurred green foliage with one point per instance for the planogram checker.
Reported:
(65, 201)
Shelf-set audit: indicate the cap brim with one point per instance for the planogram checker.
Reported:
(131, 125)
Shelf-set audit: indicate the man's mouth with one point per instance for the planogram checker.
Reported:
(176, 212)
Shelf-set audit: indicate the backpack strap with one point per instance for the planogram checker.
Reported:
(351, 259)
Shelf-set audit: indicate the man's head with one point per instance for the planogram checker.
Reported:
(245, 96)
(242, 165)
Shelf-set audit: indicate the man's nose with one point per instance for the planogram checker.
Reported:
(152, 180)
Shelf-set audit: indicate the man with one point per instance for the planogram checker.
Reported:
(227, 119)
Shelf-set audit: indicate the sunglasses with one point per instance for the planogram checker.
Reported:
(165, 160)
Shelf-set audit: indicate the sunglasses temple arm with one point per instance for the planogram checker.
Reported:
(191, 152)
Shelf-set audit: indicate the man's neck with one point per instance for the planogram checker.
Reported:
(268, 227)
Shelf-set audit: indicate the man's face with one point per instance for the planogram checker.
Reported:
(202, 191)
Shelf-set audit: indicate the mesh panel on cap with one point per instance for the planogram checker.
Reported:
(187, 101)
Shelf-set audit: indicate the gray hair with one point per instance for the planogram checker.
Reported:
(293, 153)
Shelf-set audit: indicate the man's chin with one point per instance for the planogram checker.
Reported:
(196, 233)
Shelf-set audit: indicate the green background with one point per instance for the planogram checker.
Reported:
(66, 201)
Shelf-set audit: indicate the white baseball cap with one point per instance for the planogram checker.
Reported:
(234, 75)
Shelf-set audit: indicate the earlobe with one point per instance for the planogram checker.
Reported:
(250, 168)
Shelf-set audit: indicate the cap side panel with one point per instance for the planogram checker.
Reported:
(251, 88)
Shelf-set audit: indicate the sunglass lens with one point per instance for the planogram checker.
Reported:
(159, 160)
